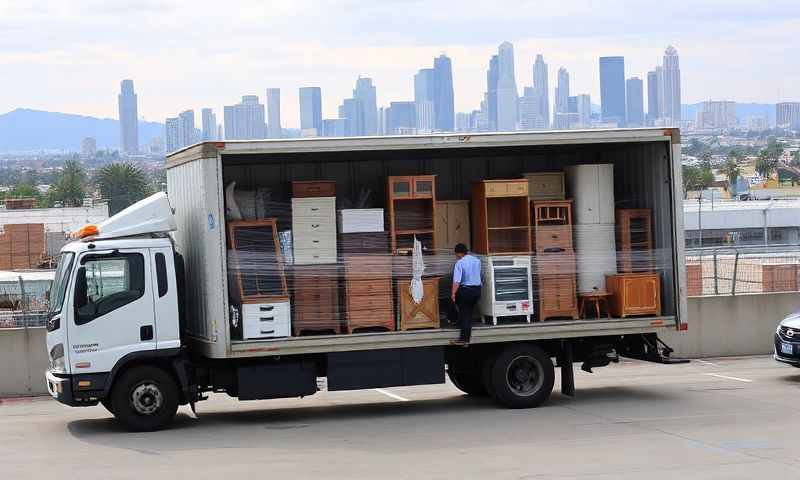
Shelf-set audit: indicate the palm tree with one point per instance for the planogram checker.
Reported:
(732, 172)
(70, 185)
(766, 163)
(122, 184)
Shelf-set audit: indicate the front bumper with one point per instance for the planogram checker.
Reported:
(60, 386)
(785, 357)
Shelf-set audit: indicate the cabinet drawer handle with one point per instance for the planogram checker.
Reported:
(315, 225)
(267, 332)
(314, 241)
(314, 209)
(267, 308)
(266, 319)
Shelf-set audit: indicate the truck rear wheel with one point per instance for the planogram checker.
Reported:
(469, 383)
(144, 399)
(521, 376)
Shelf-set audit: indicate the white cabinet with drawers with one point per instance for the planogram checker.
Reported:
(314, 230)
(266, 320)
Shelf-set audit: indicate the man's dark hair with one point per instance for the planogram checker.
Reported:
(461, 248)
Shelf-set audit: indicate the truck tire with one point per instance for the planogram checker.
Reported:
(522, 376)
(144, 399)
(469, 383)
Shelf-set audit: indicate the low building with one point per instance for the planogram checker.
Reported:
(56, 222)
(755, 222)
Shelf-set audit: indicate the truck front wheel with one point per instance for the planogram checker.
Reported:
(144, 399)
(521, 376)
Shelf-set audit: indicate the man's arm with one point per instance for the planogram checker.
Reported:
(454, 290)
(457, 275)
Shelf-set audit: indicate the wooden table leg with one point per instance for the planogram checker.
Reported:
(597, 307)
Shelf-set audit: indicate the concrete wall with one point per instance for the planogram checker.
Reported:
(718, 326)
(23, 361)
(727, 326)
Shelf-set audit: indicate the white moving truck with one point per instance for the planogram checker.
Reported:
(148, 310)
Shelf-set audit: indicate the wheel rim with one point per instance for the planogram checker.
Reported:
(146, 398)
(524, 376)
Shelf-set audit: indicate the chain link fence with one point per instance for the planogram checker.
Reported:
(23, 300)
(742, 270)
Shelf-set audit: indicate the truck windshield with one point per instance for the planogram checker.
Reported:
(59, 288)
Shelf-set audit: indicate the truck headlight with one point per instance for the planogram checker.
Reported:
(57, 358)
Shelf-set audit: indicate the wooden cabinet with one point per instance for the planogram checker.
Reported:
(418, 315)
(452, 224)
(545, 185)
(411, 210)
(634, 240)
(633, 294)
(314, 230)
(552, 226)
(501, 217)
(368, 293)
(315, 300)
(555, 256)
(557, 297)
(316, 188)
(255, 264)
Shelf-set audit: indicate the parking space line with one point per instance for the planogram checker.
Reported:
(705, 362)
(728, 378)
(391, 395)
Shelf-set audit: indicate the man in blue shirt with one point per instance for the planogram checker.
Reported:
(466, 290)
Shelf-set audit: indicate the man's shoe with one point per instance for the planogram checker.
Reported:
(459, 343)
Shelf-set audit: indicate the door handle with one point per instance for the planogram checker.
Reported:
(146, 333)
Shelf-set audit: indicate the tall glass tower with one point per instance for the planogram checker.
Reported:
(612, 89)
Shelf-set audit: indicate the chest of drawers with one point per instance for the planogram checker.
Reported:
(314, 230)
(368, 300)
(364, 243)
(315, 300)
(265, 320)
(317, 188)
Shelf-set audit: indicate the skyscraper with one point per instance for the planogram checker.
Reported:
(491, 93)
(173, 133)
(128, 118)
(562, 99)
(787, 115)
(717, 115)
(187, 136)
(209, 124)
(274, 113)
(364, 93)
(311, 109)
(352, 112)
(443, 109)
(529, 110)
(245, 120)
(671, 86)
(653, 101)
(400, 118)
(584, 109)
(612, 89)
(423, 98)
(507, 94)
(634, 91)
(541, 87)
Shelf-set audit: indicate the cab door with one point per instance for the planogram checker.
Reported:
(113, 311)
(165, 298)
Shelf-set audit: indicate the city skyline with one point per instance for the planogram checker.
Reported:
(389, 50)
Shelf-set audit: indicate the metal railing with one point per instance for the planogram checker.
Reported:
(23, 304)
(742, 270)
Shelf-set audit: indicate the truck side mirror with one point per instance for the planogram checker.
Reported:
(81, 289)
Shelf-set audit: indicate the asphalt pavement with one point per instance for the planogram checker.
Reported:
(732, 418)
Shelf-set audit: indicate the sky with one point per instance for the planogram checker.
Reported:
(71, 56)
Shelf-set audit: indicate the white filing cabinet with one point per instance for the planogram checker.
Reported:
(592, 191)
(361, 220)
(266, 320)
(314, 230)
(506, 289)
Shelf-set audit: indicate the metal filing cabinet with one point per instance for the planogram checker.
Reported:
(314, 230)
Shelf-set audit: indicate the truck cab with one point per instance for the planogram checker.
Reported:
(115, 304)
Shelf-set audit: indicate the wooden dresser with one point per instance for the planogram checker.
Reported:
(451, 224)
(315, 299)
(501, 217)
(418, 315)
(314, 230)
(555, 259)
(633, 294)
(368, 293)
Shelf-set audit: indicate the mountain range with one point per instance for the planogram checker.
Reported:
(24, 129)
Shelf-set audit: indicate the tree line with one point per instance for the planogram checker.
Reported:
(120, 184)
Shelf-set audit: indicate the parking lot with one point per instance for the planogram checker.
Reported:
(714, 418)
